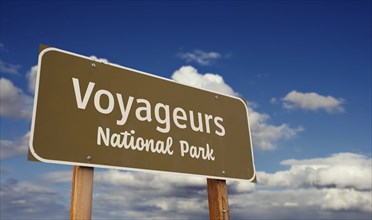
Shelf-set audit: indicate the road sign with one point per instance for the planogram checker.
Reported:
(92, 113)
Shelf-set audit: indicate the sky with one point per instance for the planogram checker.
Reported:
(303, 66)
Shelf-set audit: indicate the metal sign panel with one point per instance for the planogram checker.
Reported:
(91, 113)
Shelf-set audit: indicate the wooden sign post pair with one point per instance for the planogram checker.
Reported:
(82, 191)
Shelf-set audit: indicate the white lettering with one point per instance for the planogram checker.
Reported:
(196, 152)
(101, 135)
(177, 117)
(146, 109)
(200, 122)
(184, 147)
(97, 101)
(106, 103)
(124, 110)
(165, 121)
(217, 121)
(82, 103)
(207, 126)
(127, 140)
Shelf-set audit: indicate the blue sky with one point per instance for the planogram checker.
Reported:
(303, 66)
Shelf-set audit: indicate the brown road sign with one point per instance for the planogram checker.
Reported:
(92, 113)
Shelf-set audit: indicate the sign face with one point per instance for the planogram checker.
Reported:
(91, 113)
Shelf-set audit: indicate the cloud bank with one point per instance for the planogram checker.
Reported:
(317, 196)
(309, 189)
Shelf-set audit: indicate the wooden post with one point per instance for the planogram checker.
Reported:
(82, 190)
(217, 199)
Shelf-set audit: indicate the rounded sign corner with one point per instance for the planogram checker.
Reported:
(244, 101)
(46, 50)
(33, 152)
(253, 179)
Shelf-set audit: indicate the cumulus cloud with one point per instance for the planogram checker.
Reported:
(200, 57)
(275, 204)
(264, 135)
(346, 199)
(25, 200)
(9, 68)
(337, 187)
(57, 177)
(143, 195)
(140, 179)
(103, 60)
(14, 103)
(309, 203)
(312, 101)
(342, 170)
(237, 187)
(15, 147)
(31, 77)
(188, 75)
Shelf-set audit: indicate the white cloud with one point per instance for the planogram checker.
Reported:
(140, 179)
(188, 75)
(312, 101)
(26, 200)
(346, 199)
(237, 187)
(309, 203)
(274, 101)
(9, 68)
(31, 77)
(336, 187)
(264, 135)
(14, 148)
(57, 177)
(144, 195)
(200, 57)
(264, 204)
(14, 103)
(103, 60)
(342, 170)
